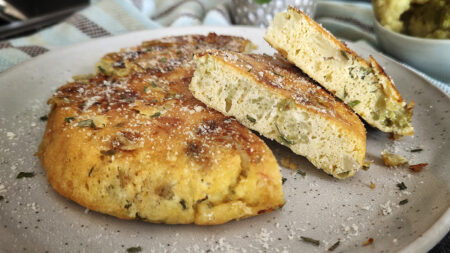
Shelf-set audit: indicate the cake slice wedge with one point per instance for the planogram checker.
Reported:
(361, 84)
(274, 98)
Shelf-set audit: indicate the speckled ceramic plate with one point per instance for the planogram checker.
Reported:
(35, 218)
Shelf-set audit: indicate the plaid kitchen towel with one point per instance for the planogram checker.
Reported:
(351, 21)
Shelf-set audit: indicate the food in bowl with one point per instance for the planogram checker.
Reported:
(419, 18)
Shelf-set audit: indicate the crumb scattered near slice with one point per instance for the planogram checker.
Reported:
(417, 167)
(288, 163)
(391, 159)
(368, 242)
(372, 185)
(366, 164)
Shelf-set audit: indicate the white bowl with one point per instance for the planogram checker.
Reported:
(432, 56)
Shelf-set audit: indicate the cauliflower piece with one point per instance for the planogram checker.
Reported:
(391, 159)
(388, 13)
(420, 18)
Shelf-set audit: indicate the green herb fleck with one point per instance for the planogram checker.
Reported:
(69, 119)
(350, 72)
(145, 88)
(345, 93)
(366, 71)
(250, 69)
(44, 118)
(155, 115)
(401, 186)
(278, 74)
(253, 120)
(101, 69)
(332, 248)
(153, 84)
(86, 123)
(164, 59)
(354, 103)
(301, 172)
(416, 150)
(282, 138)
(285, 104)
(403, 202)
(283, 180)
(126, 99)
(1, 198)
(310, 240)
(134, 249)
(90, 171)
(25, 174)
(108, 152)
(262, 1)
(183, 204)
(344, 54)
(127, 205)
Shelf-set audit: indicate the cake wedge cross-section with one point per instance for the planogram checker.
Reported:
(271, 96)
(361, 84)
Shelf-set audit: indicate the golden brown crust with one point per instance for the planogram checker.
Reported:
(139, 146)
(164, 55)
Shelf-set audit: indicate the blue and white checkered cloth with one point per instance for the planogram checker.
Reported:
(351, 21)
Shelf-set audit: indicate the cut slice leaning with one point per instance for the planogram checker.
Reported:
(273, 97)
(362, 85)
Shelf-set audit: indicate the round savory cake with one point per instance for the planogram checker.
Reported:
(132, 142)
